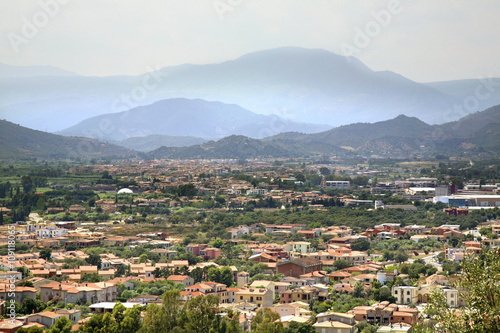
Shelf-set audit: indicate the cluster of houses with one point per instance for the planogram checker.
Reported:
(304, 280)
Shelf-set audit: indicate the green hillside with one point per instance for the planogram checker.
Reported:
(17, 142)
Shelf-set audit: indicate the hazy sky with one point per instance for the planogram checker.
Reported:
(424, 40)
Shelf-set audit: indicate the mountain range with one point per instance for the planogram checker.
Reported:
(476, 135)
(303, 85)
(185, 117)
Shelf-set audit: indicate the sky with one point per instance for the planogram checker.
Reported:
(423, 40)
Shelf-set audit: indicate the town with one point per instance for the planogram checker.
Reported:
(270, 245)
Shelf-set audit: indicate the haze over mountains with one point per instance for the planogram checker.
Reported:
(304, 85)
(185, 117)
(475, 135)
(399, 137)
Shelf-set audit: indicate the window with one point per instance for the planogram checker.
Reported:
(395, 292)
(408, 300)
(241, 297)
(408, 292)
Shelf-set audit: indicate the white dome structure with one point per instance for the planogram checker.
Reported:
(126, 191)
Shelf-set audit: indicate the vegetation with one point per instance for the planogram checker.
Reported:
(478, 286)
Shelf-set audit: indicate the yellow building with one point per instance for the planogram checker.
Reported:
(262, 297)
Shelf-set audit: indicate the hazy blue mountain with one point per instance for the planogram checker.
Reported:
(472, 95)
(477, 134)
(9, 71)
(181, 117)
(17, 142)
(307, 85)
(152, 142)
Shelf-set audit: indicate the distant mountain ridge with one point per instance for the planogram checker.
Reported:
(152, 142)
(399, 137)
(304, 85)
(185, 117)
(9, 71)
(476, 135)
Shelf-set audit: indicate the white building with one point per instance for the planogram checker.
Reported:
(260, 191)
(50, 232)
(336, 184)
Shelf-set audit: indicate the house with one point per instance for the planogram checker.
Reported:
(210, 253)
(238, 231)
(318, 276)
(299, 247)
(286, 310)
(9, 325)
(334, 327)
(262, 297)
(19, 293)
(263, 257)
(385, 313)
(76, 209)
(405, 294)
(47, 318)
(196, 248)
(164, 253)
(242, 279)
(183, 279)
(335, 316)
(209, 288)
(302, 294)
(298, 267)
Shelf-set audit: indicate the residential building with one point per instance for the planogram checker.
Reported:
(262, 297)
(298, 267)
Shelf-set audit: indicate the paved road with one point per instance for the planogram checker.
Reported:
(429, 260)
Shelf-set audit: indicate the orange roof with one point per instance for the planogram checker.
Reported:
(49, 314)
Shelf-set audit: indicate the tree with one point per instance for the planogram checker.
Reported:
(62, 325)
(400, 256)
(197, 274)
(163, 318)
(120, 270)
(93, 277)
(226, 276)
(186, 190)
(365, 327)
(27, 184)
(218, 243)
(324, 171)
(360, 244)
(45, 253)
(359, 289)
(94, 260)
(478, 287)
(143, 258)
(214, 274)
(295, 327)
(31, 305)
(265, 321)
(341, 264)
(383, 294)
